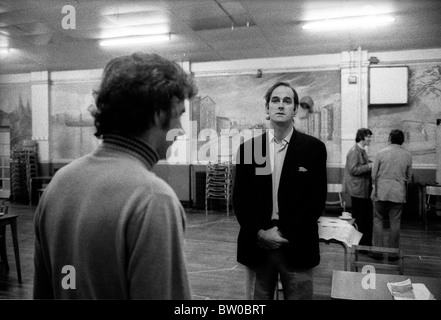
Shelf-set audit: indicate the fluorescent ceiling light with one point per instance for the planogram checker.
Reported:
(135, 31)
(135, 40)
(360, 22)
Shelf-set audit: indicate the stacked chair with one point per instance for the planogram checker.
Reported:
(24, 166)
(219, 183)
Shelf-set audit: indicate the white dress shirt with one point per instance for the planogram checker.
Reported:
(277, 155)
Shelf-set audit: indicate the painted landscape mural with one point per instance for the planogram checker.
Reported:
(417, 119)
(229, 104)
(71, 124)
(16, 112)
(236, 103)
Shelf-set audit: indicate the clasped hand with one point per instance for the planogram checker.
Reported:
(270, 239)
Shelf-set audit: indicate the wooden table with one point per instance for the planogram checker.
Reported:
(338, 242)
(347, 285)
(9, 219)
(343, 245)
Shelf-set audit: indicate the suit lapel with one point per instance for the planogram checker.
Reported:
(364, 155)
(290, 161)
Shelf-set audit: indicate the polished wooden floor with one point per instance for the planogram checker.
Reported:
(210, 248)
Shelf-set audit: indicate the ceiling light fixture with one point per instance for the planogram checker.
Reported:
(359, 22)
(134, 31)
(135, 40)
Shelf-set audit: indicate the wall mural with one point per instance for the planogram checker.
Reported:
(235, 102)
(15, 111)
(71, 124)
(417, 119)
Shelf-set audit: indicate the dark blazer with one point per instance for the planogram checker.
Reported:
(357, 177)
(301, 198)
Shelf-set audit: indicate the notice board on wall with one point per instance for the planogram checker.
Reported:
(388, 85)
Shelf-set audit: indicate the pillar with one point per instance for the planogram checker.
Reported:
(40, 113)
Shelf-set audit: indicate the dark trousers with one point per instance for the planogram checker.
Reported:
(362, 212)
(297, 284)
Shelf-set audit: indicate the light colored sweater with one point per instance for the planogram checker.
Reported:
(119, 225)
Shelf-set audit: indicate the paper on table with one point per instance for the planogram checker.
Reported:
(339, 230)
(421, 292)
(402, 290)
(405, 290)
(331, 221)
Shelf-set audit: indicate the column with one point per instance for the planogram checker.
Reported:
(354, 97)
(40, 113)
(438, 150)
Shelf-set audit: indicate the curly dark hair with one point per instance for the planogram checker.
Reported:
(362, 133)
(136, 87)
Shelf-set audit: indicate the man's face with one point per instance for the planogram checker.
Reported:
(175, 127)
(281, 105)
(367, 140)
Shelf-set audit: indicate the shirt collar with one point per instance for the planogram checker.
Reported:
(361, 146)
(285, 140)
(132, 145)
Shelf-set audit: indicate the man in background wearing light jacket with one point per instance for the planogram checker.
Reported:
(391, 172)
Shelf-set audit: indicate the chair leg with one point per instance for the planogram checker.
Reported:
(425, 218)
(228, 205)
(16, 250)
(206, 204)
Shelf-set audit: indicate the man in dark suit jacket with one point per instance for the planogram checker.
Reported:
(358, 184)
(277, 201)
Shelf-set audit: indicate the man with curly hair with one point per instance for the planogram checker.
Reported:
(358, 184)
(106, 226)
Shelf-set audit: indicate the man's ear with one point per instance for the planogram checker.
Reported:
(159, 118)
(267, 117)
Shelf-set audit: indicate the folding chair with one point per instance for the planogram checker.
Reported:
(431, 192)
(334, 200)
(358, 262)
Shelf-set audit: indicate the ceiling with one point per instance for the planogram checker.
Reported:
(201, 30)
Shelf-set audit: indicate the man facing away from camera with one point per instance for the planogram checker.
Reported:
(391, 173)
(107, 227)
(277, 209)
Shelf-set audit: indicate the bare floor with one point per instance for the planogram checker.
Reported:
(210, 247)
